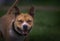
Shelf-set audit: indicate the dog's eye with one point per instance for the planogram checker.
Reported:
(20, 21)
(29, 21)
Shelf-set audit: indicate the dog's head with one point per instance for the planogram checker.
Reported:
(24, 21)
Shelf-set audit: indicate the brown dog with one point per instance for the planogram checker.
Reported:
(15, 26)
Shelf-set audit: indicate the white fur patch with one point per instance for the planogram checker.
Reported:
(24, 23)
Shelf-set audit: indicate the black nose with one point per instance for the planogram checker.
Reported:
(25, 27)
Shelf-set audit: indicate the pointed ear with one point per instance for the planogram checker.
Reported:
(31, 11)
(16, 11)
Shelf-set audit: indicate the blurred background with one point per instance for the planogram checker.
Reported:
(47, 17)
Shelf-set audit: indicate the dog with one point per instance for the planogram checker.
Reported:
(15, 26)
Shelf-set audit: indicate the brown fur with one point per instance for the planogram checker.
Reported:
(24, 17)
(6, 20)
(13, 14)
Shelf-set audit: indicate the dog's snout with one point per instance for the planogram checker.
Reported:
(25, 27)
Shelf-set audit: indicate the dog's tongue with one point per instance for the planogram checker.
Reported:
(25, 32)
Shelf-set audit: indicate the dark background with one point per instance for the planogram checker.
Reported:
(47, 18)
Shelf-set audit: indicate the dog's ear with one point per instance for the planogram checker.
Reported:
(16, 11)
(31, 11)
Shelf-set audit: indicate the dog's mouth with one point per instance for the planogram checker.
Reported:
(25, 32)
(22, 32)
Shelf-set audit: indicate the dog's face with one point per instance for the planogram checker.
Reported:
(24, 22)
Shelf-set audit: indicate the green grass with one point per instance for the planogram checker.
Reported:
(2, 12)
(37, 2)
(46, 26)
(40, 2)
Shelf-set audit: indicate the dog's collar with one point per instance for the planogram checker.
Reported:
(15, 30)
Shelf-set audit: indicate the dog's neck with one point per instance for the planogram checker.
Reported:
(14, 34)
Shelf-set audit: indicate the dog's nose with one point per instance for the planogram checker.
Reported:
(25, 27)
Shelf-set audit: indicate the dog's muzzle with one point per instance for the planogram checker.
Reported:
(24, 32)
(25, 27)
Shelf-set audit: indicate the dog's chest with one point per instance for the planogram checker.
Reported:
(15, 37)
